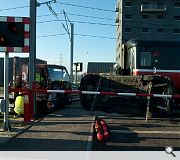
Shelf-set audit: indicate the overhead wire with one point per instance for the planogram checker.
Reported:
(52, 35)
(93, 23)
(133, 21)
(48, 3)
(94, 36)
(7, 9)
(80, 15)
(109, 24)
(84, 35)
(80, 6)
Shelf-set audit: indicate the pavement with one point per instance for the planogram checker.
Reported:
(68, 129)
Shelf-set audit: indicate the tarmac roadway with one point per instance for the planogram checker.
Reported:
(71, 129)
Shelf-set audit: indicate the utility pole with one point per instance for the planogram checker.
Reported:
(71, 55)
(32, 54)
(71, 37)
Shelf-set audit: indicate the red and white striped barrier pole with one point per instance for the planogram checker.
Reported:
(111, 93)
(37, 90)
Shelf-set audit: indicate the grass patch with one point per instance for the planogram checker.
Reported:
(14, 121)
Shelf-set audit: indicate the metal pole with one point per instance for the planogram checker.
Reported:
(71, 55)
(32, 54)
(14, 70)
(6, 124)
(75, 76)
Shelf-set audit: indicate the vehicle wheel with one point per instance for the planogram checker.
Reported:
(163, 106)
(169, 102)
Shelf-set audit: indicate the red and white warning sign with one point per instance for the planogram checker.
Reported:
(14, 34)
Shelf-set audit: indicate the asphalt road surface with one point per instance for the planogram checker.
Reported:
(69, 129)
(133, 133)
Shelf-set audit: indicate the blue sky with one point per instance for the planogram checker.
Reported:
(56, 49)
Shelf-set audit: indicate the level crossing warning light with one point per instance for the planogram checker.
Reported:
(3, 40)
(14, 34)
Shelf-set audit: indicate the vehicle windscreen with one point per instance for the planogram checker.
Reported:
(58, 74)
(160, 57)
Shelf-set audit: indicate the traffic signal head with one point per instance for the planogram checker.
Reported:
(13, 28)
(3, 40)
(11, 34)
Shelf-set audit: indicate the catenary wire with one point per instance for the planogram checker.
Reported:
(56, 20)
(80, 6)
(84, 35)
(7, 9)
(108, 24)
(133, 21)
(80, 15)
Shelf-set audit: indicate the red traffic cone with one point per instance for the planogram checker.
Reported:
(105, 129)
(97, 126)
(100, 136)
(99, 131)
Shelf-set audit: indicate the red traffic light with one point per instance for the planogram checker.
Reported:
(3, 40)
(13, 28)
(11, 34)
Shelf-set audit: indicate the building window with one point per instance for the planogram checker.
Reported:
(128, 30)
(128, 16)
(159, 5)
(128, 4)
(144, 30)
(145, 59)
(145, 5)
(176, 30)
(159, 16)
(176, 17)
(153, 6)
(160, 30)
(145, 16)
(176, 4)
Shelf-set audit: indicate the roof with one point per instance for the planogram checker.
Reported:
(100, 67)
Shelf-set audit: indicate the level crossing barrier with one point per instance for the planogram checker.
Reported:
(28, 110)
(37, 90)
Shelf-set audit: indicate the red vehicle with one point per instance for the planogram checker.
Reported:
(154, 58)
(48, 76)
(53, 77)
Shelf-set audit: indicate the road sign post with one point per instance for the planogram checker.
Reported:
(6, 123)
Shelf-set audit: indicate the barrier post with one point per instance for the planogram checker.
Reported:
(147, 110)
(27, 114)
(31, 105)
(148, 102)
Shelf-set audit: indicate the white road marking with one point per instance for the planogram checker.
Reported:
(144, 132)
